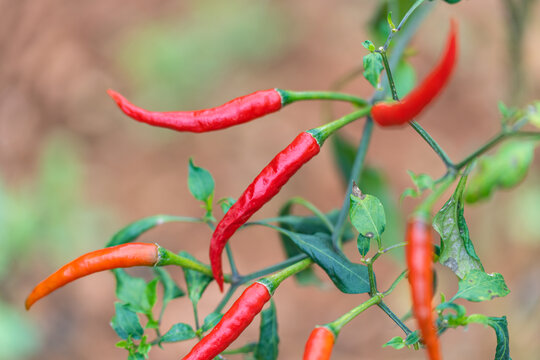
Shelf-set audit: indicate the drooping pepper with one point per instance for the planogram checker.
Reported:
(419, 256)
(268, 183)
(401, 112)
(232, 324)
(121, 256)
(319, 345)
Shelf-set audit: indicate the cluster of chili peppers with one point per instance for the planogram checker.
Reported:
(261, 190)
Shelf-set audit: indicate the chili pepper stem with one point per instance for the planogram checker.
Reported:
(288, 96)
(273, 281)
(402, 22)
(167, 257)
(336, 325)
(322, 133)
(273, 268)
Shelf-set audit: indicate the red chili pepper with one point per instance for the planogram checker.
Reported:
(121, 256)
(234, 112)
(265, 186)
(419, 254)
(401, 112)
(232, 324)
(319, 345)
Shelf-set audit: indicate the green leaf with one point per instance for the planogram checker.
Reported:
(144, 347)
(457, 250)
(500, 325)
(373, 65)
(126, 323)
(404, 77)
(267, 348)
(170, 289)
(412, 338)
(135, 229)
(421, 182)
(135, 292)
(368, 45)
(210, 321)
(348, 277)
(196, 282)
(396, 343)
(136, 356)
(505, 169)
(226, 203)
(178, 332)
(363, 244)
(479, 286)
(390, 22)
(200, 183)
(367, 216)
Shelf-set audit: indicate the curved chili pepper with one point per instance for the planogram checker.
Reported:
(319, 345)
(232, 324)
(234, 112)
(401, 112)
(419, 254)
(265, 186)
(121, 256)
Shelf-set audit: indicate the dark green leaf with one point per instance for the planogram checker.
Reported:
(135, 229)
(363, 244)
(126, 323)
(367, 216)
(200, 182)
(134, 292)
(348, 277)
(373, 65)
(457, 250)
(170, 289)
(267, 348)
(178, 332)
(210, 321)
(500, 325)
(479, 286)
(505, 169)
(196, 282)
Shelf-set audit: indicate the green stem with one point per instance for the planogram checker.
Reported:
(395, 283)
(322, 133)
(234, 270)
(389, 75)
(402, 22)
(196, 315)
(273, 281)
(371, 274)
(354, 176)
(394, 317)
(338, 324)
(424, 209)
(271, 269)
(167, 257)
(289, 96)
(383, 251)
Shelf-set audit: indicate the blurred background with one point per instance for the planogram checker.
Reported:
(74, 169)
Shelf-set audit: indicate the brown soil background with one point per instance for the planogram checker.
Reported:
(56, 61)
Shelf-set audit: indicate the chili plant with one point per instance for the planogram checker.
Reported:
(318, 240)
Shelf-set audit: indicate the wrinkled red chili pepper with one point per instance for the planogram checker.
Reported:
(401, 112)
(265, 186)
(419, 255)
(319, 345)
(121, 256)
(234, 112)
(232, 324)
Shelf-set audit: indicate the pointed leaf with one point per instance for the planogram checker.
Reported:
(267, 348)
(134, 292)
(178, 332)
(367, 216)
(200, 182)
(126, 323)
(479, 286)
(196, 282)
(373, 65)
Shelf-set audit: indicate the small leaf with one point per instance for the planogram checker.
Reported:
(135, 229)
(200, 182)
(134, 292)
(412, 338)
(373, 65)
(170, 289)
(479, 286)
(500, 325)
(368, 217)
(396, 342)
(368, 45)
(390, 22)
(363, 244)
(126, 323)
(196, 282)
(210, 321)
(151, 293)
(178, 332)
(144, 347)
(457, 250)
(348, 277)
(226, 203)
(267, 348)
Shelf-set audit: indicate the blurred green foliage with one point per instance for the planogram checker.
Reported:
(46, 218)
(176, 63)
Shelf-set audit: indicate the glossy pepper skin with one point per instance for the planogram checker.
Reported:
(419, 255)
(319, 345)
(121, 256)
(265, 186)
(401, 112)
(234, 112)
(232, 324)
